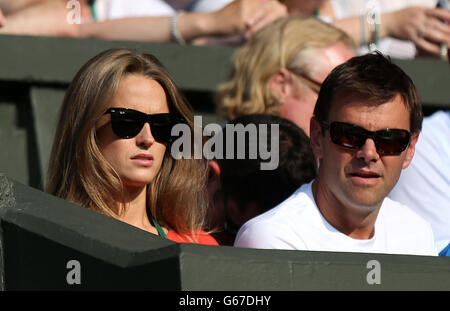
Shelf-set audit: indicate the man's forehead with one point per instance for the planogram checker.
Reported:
(357, 100)
(349, 105)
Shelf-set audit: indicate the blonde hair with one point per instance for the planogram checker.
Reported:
(286, 43)
(79, 173)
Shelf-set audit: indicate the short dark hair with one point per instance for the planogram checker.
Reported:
(243, 179)
(374, 76)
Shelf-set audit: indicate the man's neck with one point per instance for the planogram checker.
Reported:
(359, 226)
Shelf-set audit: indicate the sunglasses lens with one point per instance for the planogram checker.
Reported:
(161, 127)
(347, 135)
(126, 124)
(389, 141)
(392, 141)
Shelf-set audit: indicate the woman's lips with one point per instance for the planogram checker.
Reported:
(145, 160)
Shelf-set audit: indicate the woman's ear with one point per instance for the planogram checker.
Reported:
(281, 84)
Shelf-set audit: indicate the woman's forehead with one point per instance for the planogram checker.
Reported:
(138, 92)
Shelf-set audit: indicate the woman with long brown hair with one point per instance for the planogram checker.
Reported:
(111, 151)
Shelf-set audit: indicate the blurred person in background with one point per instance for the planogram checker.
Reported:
(425, 185)
(279, 71)
(196, 22)
(183, 21)
(406, 27)
(240, 189)
(146, 20)
(40, 17)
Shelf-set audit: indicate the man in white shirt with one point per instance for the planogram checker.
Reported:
(365, 127)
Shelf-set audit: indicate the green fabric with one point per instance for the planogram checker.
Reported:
(158, 227)
(93, 12)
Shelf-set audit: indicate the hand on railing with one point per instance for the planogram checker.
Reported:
(426, 27)
(45, 19)
(247, 16)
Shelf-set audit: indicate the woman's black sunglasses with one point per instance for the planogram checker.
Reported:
(127, 123)
(387, 141)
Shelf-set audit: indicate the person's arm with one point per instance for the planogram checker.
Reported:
(46, 19)
(426, 27)
(11, 6)
(239, 17)
(190, 25)
(2, 18)
(423, 26)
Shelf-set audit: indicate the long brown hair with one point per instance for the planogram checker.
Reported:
(79, 173)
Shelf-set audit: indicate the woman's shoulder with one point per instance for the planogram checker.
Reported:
(205, 238)
(201, 236)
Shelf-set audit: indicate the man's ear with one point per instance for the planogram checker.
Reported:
(411, 149)
(316, 137)
(281, 84)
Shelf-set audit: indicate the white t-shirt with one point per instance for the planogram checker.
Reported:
(111, 9)
(390, 46)
(425, 185)
(297, 224)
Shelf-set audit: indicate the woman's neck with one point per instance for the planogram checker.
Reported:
(135, 211)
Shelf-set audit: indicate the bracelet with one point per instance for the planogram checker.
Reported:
(175, 34)
(374, 20)
(375, 31)
(363, 30)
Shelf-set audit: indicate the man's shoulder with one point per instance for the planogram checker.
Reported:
(440, 118)
(407, 232)
(400, 214)
(299, 203)
(432, 145)
(279, 224)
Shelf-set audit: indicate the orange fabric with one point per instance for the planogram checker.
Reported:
(202, 237)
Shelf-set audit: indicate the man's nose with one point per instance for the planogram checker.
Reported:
(368, 151)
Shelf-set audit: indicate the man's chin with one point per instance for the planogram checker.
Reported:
(365, 201)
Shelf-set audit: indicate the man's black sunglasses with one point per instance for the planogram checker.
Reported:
(127, 123)
(387, 141)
